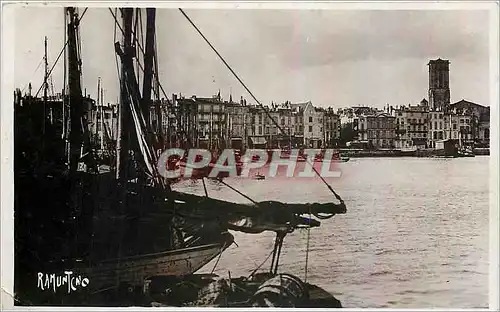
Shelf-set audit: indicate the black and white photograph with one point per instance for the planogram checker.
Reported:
(244, 154)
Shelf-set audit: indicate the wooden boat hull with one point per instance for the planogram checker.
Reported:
(260, 290)
(134, 270)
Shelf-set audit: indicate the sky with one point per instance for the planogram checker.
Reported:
(330, 57)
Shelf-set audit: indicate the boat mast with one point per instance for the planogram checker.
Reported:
(96, 113)
(75, 93)
(101, 102)
(45, 84)
(65, 63)
(124, 114)
(148, 64)
(211, 125)
(159, 104)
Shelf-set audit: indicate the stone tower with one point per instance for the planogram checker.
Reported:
(439, 84)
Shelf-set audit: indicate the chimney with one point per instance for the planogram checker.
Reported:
(241, 100)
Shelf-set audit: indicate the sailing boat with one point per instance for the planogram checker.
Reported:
(121, 227)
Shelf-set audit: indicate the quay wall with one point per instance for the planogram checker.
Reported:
(399, 153)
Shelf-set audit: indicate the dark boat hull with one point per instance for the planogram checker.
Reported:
(134, 270)
(259, 290)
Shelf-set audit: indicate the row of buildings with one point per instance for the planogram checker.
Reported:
(216, 123)
(422, 125)
(417, 126)
(211, 122)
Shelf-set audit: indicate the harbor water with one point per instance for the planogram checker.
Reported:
(415, 234)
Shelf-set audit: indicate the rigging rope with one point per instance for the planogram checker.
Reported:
(253, 96)
(260, 265)
(218, 258)
(38, 67)
(59, 56)
(204, 186)
(239, 192)
(307, 247)
(52, 68)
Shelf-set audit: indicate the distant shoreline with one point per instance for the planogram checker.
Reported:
(400, 153)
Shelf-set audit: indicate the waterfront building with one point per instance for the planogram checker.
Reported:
(287, 119)
(103, 125)
(331, 126)
(436, 127)
(185, 120)
(478, 120)
(239, 124)
(350, 114)
(313, 126)
(411, 123)
(212, 122)
(271, 130)
(377, 130)
(257, 137)
(465, 122)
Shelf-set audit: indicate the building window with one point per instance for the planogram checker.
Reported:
(310, 129)
(310, 119)
(454, 126)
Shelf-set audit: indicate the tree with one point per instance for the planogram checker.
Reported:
(347, 133)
